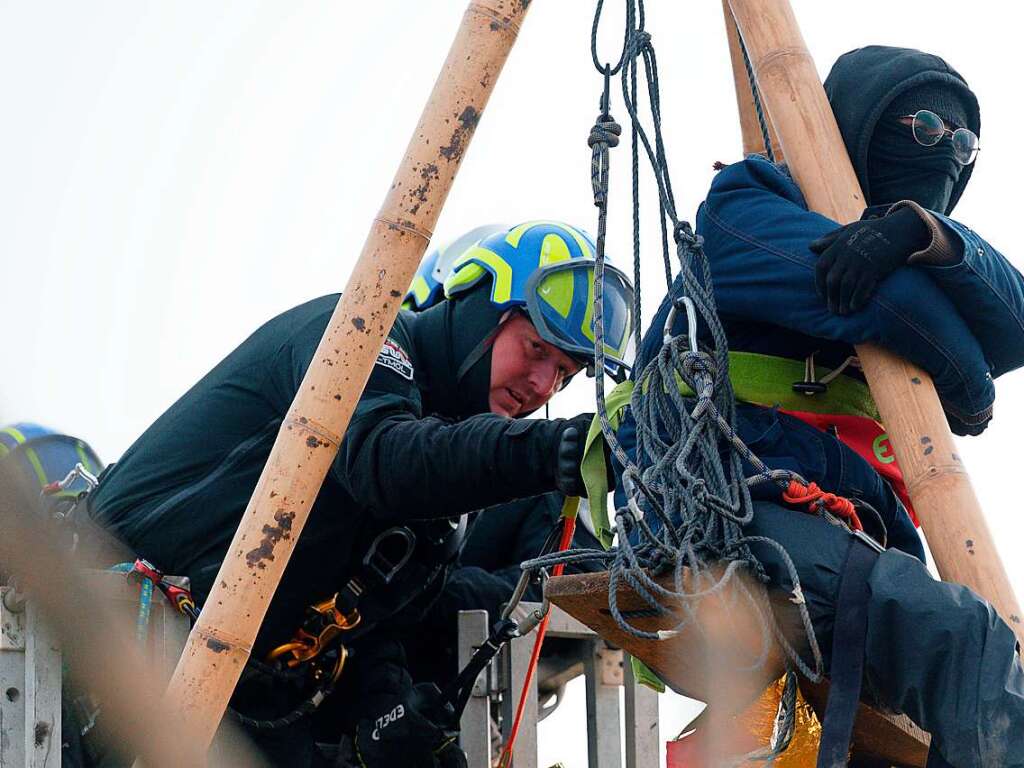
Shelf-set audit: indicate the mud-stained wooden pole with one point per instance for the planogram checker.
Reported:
(750, 128)
(939, 487)
(308, 441)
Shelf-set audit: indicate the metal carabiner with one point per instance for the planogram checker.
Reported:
(79, 471)
(630, 490)
(691, 321)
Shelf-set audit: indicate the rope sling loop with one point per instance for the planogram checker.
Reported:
(689, 464)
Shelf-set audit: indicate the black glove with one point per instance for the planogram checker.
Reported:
(857, 257)
(415, 729)
(569, 456)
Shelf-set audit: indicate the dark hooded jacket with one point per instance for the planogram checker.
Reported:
(864, 82)
(411, 453)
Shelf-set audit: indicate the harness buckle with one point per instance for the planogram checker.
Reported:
(323, 624)
(810, 385)
(384, 566)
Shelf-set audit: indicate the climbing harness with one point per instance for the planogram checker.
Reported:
(849, 640)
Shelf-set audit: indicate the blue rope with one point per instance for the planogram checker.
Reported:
(145, 601)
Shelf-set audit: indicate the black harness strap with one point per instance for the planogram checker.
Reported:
(848, 644)
(935, 760)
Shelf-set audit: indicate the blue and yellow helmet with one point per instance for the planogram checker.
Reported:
(546, 268)
(427, 287)
(44, 456)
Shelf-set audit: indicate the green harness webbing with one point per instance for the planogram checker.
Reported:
(593, 469)
(768, 381)
(595, 478)
(757, 379)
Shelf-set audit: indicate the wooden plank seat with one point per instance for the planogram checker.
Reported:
(703, 659)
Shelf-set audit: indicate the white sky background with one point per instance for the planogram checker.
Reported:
(174, 174)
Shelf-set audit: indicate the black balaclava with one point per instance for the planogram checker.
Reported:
(455, 340)
(901, 169)
(869, 89)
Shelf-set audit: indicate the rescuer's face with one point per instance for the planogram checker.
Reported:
(526, 371)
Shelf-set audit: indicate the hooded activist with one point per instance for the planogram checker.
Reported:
(911, 279)
(438, 432)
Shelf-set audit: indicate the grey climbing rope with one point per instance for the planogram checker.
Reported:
(755, 92)
(688, 472)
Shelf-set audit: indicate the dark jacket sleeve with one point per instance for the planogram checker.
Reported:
(400, 464)
(988, 292)
(408, 467)
(757, 230)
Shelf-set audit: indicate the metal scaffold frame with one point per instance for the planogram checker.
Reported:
(606, 670)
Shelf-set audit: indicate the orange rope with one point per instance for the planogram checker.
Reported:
(812, 495)
(506, 753)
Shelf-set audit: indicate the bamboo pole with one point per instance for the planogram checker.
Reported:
(939, 487)
(308, 440)
(750, 128)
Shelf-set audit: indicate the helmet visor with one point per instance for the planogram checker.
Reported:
(560, 302)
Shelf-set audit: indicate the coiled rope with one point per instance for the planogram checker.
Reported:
(689, 466)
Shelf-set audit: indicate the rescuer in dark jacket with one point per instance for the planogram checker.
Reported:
(794, 294)
(437, 433)
(498, 540)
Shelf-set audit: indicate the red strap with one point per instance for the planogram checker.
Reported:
(812, 495)
(146, 570)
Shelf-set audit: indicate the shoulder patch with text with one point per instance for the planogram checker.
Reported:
(394, 357)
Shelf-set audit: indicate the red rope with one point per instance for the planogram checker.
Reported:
(506, 754)
(812, 495)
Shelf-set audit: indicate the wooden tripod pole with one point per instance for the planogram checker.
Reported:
(939, 487)
(308, 440)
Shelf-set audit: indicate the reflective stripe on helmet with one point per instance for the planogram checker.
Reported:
(516, 233)
(84, 458)
(32, 456)
(420, 290)
(17, 434)
(37, 466)
(467, 270)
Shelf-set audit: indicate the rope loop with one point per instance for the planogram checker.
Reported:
(815, 497)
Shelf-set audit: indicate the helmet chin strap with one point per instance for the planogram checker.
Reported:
(482, 348)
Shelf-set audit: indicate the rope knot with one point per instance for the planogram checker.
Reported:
(605, 131)
(682, 233)
(698, 370)
(641, 40)
(813, 496)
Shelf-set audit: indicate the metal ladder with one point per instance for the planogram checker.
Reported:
(605, 670)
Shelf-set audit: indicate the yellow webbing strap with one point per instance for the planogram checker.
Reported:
(571, 506)
(593, 470)
(595, 478)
